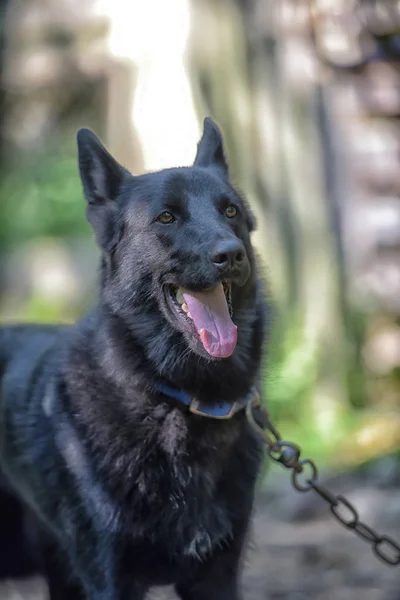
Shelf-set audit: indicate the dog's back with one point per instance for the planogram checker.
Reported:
(29, 340)
(21, 349)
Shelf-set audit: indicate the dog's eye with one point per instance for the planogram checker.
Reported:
(231, 211)
(165, 218)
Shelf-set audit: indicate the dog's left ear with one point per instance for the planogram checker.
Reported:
(210, 149)
(102, 177)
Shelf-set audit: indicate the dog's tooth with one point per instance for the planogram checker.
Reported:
(179, 297)
(185, 307)
(189, 315)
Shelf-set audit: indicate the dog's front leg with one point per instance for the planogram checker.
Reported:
(135, 592)
(102, 580)
(99, 573)
(215, 579)
(222, 589)
(115, 591)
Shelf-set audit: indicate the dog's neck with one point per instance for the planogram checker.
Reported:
(113, 343)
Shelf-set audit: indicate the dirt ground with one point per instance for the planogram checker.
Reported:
(299, 552)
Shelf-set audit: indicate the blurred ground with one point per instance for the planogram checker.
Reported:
(300, 552)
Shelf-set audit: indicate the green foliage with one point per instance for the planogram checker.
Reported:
(39, 310)
(292, 367)
(291, 387)
(42, 199)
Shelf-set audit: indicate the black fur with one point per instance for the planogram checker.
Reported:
(120, 487)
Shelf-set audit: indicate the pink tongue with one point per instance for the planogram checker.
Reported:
(210, 314)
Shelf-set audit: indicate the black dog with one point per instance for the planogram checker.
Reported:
(122, 483)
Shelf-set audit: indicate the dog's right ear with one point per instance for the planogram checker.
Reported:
(102, 177)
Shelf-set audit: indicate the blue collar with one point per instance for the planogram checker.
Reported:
(220, 410)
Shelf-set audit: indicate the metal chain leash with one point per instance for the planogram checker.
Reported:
(305, 478)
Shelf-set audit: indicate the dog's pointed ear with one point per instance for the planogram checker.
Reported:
(102, 178)
(210, 149)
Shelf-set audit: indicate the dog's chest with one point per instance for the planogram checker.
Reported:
(180, 502)
(183, 511)
(167, 488)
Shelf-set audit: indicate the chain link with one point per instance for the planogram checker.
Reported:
(305, 478)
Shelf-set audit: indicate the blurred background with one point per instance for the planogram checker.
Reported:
(307, 93)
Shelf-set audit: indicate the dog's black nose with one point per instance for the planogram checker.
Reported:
(228, 255)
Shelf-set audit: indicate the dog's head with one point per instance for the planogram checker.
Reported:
(176, 245)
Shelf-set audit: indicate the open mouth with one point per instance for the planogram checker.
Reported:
(208, 316)
(183, 308)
